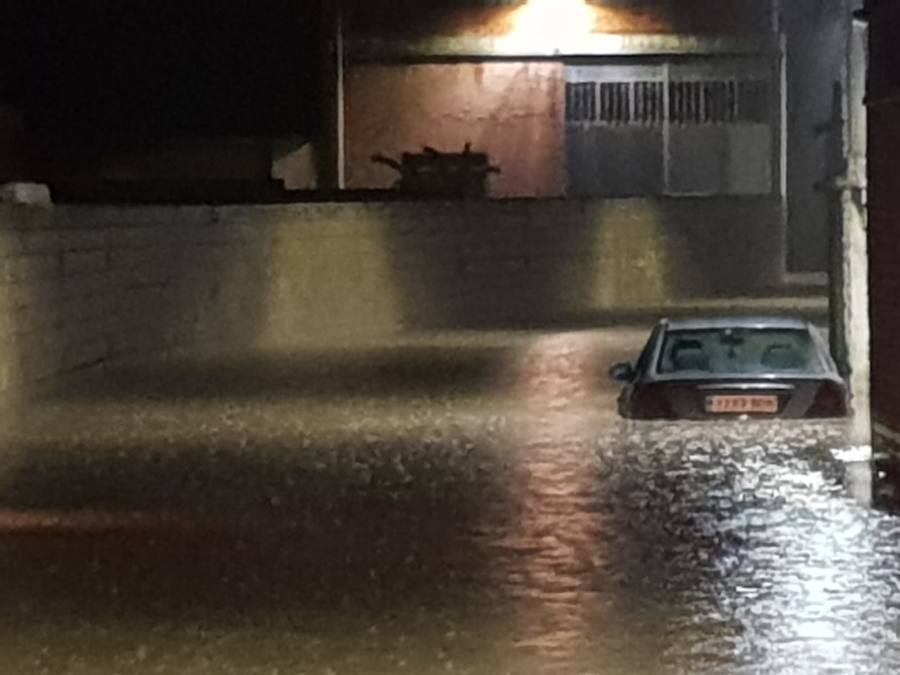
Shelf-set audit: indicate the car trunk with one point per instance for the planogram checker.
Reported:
(739, 397)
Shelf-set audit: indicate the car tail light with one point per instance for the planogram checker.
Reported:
(830, 401)
(652, 403)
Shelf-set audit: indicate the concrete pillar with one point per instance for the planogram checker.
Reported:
(850, 270)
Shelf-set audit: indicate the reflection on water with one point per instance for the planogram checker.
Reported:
(807, 589)
(685, 547)
(554, 546)
(523, 530)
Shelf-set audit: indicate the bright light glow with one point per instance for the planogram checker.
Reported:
(548, 25)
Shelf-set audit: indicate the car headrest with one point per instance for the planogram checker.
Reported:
(782, 357)
(689, 355)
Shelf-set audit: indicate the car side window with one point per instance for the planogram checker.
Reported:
(645, 360)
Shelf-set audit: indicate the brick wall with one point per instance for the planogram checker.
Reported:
(82, 286)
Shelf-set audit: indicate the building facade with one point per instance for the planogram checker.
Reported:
(569, 98)
(609, 98)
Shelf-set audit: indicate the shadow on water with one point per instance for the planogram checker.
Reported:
(238, 529)
(348, 373)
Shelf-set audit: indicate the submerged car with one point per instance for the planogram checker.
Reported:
(732, 368)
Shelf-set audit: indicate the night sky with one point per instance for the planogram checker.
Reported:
(161, 68)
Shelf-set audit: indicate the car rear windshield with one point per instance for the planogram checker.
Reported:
(739, 351)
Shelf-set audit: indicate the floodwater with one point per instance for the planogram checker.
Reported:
(460, 506)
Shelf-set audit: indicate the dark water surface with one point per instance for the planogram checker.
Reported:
(474, 508)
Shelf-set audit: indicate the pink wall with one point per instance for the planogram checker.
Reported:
(512, 111)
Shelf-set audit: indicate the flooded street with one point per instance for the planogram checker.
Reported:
(466, 505)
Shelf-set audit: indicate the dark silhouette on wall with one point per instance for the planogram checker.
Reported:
(442, 174)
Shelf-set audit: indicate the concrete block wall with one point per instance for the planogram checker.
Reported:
(83, 286)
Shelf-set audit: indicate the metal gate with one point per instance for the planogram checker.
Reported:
(671, 128)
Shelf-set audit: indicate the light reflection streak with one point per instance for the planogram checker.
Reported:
(557, 539)
(818, 585)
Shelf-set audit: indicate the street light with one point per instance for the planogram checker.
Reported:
(544, 25)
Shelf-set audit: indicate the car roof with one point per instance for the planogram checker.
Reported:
(749, 322)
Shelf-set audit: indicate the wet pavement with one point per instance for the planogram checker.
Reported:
(458, 504)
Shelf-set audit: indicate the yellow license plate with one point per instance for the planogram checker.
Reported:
(741, 404)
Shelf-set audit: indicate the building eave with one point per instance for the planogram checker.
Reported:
(596, 45)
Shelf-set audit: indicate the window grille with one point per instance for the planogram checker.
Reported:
(581, 102)
(649, 103)
(615, 102)
(690, 102)
(718, 102)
